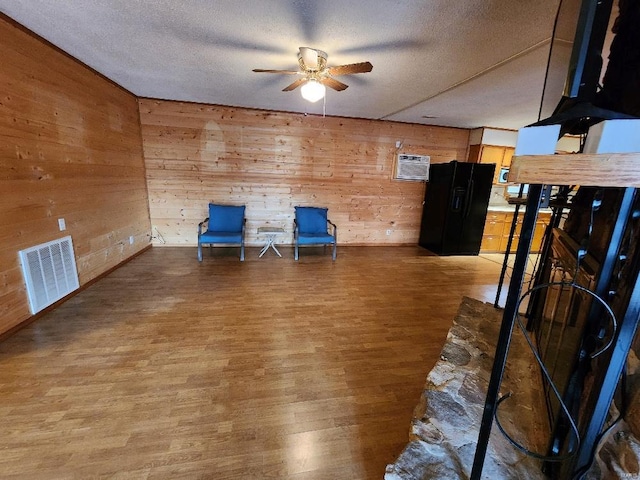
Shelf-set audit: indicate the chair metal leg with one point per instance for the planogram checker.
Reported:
(199, 252)
(295, 250)
(334, 251)
(242, 252)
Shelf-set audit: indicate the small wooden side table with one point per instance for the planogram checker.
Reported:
(270, 234)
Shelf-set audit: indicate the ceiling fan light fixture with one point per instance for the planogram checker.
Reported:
(313, 91)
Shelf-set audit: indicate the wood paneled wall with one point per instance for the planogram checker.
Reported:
(70, 147)
(272, 161)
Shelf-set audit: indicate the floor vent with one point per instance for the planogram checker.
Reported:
(49, 272)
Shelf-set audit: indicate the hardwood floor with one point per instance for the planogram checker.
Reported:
(168, 368)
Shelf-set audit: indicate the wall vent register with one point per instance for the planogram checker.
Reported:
(49, 271)
(412, 167)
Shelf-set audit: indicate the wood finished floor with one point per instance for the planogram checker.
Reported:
(170, 369)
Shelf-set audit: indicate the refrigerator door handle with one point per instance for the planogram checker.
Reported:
(468, 198)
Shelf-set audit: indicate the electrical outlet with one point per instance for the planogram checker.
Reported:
(62, 225)
(388, 232)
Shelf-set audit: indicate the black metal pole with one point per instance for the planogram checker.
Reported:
(505, 261)
(533, 306)
(611, 256)
(508, 320)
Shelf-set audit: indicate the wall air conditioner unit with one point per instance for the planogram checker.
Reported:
(412, 167)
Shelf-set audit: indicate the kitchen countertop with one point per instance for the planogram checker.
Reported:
(512, 208)
(507, 208)
(509, 205)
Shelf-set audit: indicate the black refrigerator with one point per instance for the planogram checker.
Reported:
(455, 207)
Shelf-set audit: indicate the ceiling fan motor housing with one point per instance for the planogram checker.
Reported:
(312, 60)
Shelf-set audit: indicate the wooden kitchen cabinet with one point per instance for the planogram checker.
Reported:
(490, 243)
(492, 234)
(491, 154)
(499, 155)
(494, 224)
(507, 157)
(498, 226)
(538, 233)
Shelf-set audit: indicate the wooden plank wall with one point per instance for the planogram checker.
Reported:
(272, 161)
(70, 147)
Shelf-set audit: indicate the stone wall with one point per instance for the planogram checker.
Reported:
(446, 421)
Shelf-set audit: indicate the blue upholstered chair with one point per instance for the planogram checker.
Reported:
(225, 224)
(311, 227)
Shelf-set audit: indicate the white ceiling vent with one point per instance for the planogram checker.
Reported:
(49, 272)
(412, 167)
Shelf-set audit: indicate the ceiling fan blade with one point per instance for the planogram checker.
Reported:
(333, 83)
(294, 85)
(309, 57)
(287, 72)
(362, 67)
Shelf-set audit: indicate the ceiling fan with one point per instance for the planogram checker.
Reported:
(316, 74)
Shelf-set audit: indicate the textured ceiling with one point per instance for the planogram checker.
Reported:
(467, 63)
